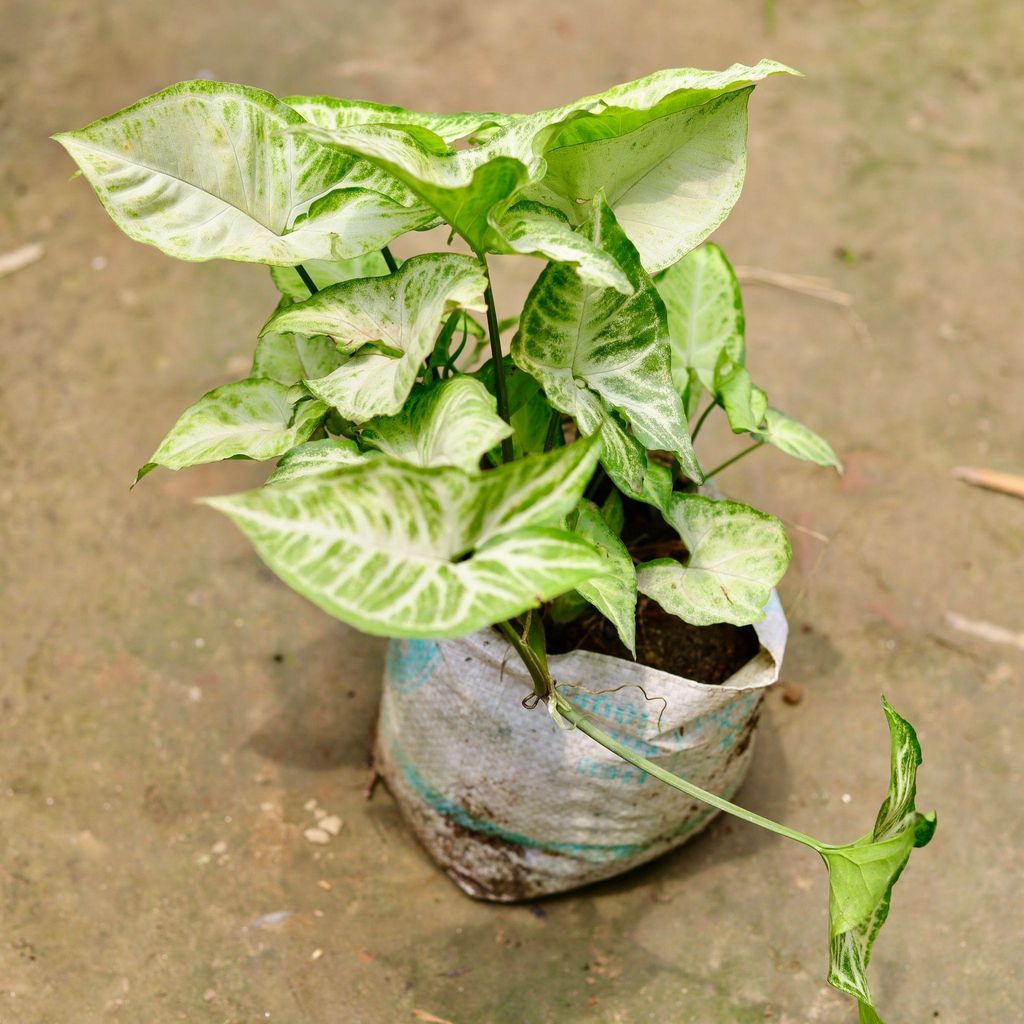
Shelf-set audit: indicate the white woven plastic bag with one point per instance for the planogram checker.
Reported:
(511, 805)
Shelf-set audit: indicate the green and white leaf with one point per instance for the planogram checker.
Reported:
(327, 272)
(208, 169)
(795, 439)
(736, 554)
(744, 402)
(590, 346)
(456, 551)
(614, 593)
(314, 457)
(292, 358)
(388, 326)
(862, 874)
(449, 423)
(256, 418)
(705, 315)
(335, 114)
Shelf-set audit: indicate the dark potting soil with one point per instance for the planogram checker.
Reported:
(708, 654)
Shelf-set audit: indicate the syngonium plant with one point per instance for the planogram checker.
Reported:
(420, 494)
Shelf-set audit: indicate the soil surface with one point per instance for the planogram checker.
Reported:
(173, 718)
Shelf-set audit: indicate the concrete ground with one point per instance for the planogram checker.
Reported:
(169, 708)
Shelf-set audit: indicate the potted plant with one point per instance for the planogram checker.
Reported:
(497, 514)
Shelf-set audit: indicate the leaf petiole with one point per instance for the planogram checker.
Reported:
(735, 458)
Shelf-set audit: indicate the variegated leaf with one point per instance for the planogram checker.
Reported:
(449, 423)
(795, 439)
(334, 114)
(705, 315)
(862, 874)
(590, 346)
(291, 358)
(455, 553)
(614, 593)
(736, 554)
(327, 272)
(314, 457)
(744, 402)
(209, 169)
(257, 418)
(388, 325)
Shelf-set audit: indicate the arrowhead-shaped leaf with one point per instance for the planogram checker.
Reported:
(209, 169)
(862, 874)
(795, 439)
(327, 272)
(314, 457)
(591, 346)
(450, 423)
(455, 553)
(744, 402)
(614, 593)
(736, 555)
(705, 315)
(388, 324)
(257, 418)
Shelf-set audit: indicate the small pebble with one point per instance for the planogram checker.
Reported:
(325, 885)
(846, 798)
(309, 805)
(792, 693)
(98, 263)
(332, 823)
(317, 835)
(209, 995)
(219, 847)
(316, 954)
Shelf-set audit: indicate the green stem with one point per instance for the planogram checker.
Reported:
(500, 388)
(542, 684)
(554, 425)
(306, 279)
(700, 422)
(579, 720)
(389, 260)
(735, 458)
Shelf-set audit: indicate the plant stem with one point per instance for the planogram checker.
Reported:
(500, 389)
(542, 683)
(554, 425)
(579, 720)
(389, 260)
(700, 422)
(306, 279)
(735, 458)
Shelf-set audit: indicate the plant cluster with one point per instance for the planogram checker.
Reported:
(428, 484)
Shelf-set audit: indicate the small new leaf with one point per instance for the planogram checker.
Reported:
(862, 874)
(455, 552)
(256, 418)
(795, 439)
(736, 555)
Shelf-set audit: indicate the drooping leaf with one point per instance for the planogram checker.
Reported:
(449, 423)
(862, 874)
(795, 439)
(208, 169)
(313, 457)
(705, 315)
(456, 552)
(744, 402)
(590, 346)
(614, 593)
(257, 418)
(736, 554)
(387, 325)
(327, 272)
